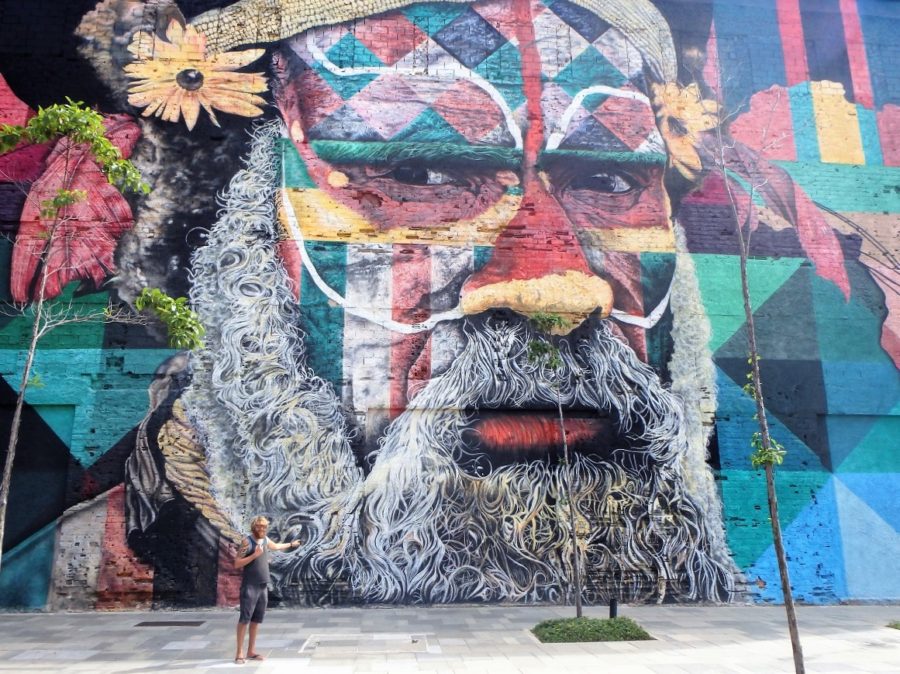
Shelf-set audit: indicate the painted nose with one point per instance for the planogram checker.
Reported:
(538, 265)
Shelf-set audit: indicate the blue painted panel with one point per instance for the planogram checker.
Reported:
(871, 544)
(812, 544)
(749, 46)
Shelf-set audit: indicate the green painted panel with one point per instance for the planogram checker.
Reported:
(322, 321)
(849, 187)
(746, 509)
(719, 277)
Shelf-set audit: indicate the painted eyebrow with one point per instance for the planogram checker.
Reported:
(393, 152)
(589, 156)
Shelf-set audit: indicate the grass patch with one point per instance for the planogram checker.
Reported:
(895, 624)
(566, 630)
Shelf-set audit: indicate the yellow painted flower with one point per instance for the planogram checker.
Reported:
(176, 76)
(682, 114)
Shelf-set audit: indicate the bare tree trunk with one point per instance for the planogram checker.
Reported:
(576, 565)
(796, 648)
(20, 399)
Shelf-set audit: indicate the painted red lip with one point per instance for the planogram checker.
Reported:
(535, 433)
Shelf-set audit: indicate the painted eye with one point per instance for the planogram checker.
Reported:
(189, 79)
(607, 183)
(413, 174)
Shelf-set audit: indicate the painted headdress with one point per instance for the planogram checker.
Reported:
(175, 67)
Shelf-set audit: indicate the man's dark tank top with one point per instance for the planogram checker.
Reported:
(257, 571)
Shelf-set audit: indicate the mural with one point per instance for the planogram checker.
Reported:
(365, 206)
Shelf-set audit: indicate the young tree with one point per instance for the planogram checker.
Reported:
(736, 164)
(80, 138)
(546, 354)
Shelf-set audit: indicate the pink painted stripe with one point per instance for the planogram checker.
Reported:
(856, 54)
(711, 71)
(790, 25)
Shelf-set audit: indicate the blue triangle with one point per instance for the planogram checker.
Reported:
(879, 491)
(812, 545)
(736, 410)
(871, 548)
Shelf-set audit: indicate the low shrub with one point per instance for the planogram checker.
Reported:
(564, 630)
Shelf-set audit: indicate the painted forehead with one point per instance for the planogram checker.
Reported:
(452, 73)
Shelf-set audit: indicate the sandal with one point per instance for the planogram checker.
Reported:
(239, 661)
(255, 656)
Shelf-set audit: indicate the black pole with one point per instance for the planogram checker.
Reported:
(613, 608)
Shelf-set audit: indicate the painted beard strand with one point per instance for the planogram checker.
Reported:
(418, 527)
(431, 532)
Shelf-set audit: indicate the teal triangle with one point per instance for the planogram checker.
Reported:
(89, 412)
(432, 17)
(845, 433)
(879, 491)
(126, 374)
(346, 86)
(719, 277)
(746, 509)
(349, 52)
(26, 571)
(878, 451)
(61, 419)
(736, 425)
(503, 69)
(430, 127)
(783, 332)
(813, 548)
(871, 548)
(588, 69)
(293, 166)
(850, 330)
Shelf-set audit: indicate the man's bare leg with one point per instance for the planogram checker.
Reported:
(251, 647)
(241, 631)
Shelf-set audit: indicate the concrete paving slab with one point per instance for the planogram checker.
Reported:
(470, 639)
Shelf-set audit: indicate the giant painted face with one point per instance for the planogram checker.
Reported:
(485, 164)
(498, 156)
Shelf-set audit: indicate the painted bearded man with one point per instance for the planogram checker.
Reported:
(438, 175)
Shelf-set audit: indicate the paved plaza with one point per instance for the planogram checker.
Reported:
(493, 639)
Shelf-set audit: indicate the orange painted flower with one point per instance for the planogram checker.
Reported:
(177, 76)
(682, 115)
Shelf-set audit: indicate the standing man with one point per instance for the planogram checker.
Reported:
(253, 558)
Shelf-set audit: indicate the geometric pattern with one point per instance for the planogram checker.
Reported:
(440, 47)
(833, 401)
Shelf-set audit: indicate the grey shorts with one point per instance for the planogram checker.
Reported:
(254, 599)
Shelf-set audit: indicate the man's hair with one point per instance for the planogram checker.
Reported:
(256, 521)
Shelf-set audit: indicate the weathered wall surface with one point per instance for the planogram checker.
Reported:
(366, 211)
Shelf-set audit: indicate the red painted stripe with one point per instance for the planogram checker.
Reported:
(856, 54)
(790, 25)
(124, 581)
(531, 85)
(410, 354)
(228, 581)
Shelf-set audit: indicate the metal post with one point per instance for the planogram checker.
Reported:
(613, 608)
